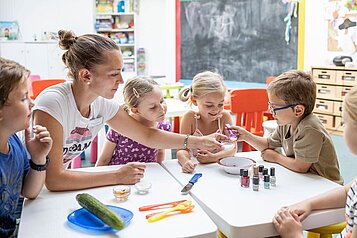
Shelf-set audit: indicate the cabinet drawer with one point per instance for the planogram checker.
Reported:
(326, 120)
(338, 124)
(337, 108)
(326, 91)
(341, 92)
(324, 76)
(346, 77)
(324, 106)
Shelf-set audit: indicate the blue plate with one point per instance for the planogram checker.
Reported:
(83, 218)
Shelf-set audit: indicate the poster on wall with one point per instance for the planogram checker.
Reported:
(342, 25)
(9, 30)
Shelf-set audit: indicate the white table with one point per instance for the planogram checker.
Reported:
(175, 107)
(241, 212)
(47, 215)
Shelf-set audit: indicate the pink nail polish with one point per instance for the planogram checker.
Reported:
(244, 181)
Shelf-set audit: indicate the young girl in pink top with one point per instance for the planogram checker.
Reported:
(143, 101)
(207, 94)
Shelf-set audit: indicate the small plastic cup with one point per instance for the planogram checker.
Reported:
(228, 145)
(143, 187)
(121, 192)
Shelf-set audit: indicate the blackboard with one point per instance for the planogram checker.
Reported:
(244, 40)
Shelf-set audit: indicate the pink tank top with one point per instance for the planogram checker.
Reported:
(197, 132)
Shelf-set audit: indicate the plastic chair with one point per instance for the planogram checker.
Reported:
(326, 231)
(39, 85)
(268, 114)
(270, 79)
(249, 106)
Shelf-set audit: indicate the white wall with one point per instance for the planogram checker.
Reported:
(316, 32)
(155, 26)
(38, 16)
(156, 33)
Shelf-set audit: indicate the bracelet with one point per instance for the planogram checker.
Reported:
(39, 167)
(185, 142)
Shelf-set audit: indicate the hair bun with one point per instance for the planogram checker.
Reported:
(66, 39)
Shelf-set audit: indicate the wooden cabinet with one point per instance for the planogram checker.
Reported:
(332, 85)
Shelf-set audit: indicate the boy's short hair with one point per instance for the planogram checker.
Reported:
(295, 87)
(11, 73)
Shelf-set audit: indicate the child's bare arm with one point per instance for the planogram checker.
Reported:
(183, 156)
(335, 198)
(38, 148)
(106, 154)
(161, 156)
(288, 162)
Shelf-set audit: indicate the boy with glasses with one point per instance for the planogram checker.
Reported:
(307, 145)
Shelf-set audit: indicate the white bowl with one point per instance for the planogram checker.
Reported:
(232, 165)
(143, 187)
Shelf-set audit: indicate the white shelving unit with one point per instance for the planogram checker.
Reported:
(120, 26)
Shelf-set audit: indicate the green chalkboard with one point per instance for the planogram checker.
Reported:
(242, 39)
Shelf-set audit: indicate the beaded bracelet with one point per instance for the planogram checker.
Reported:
(185, 142)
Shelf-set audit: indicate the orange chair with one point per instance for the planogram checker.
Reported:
(268, 114)
(39, 85)
(270, 79)
(249, 106)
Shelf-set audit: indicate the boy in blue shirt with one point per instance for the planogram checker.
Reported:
(18, 174)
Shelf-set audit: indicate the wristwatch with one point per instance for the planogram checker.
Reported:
(41, 167)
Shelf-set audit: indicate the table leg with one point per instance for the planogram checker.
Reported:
(94, 150)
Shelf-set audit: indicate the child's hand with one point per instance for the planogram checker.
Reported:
(240, 132)
(287, 224)
(40, 145)
(189, 166)
(270, 155)
(301, 209)
(205, 157)
(131, 173)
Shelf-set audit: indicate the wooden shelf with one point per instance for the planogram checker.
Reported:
(114, 13)
(101, 30)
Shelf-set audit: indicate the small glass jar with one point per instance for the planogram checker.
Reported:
(143, 187)
(121, 192)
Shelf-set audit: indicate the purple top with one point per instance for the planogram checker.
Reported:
(128, 150)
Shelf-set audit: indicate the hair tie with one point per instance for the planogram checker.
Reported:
(136, 93)
(191, 88)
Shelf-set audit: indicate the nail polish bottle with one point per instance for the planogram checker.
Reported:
(265, 171)
(256, 171)
(272, 177)
(244, 180)
(266, 181)
(261, 167)
(241, 174)
(256, 183)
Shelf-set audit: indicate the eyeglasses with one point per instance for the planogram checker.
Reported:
(273, 110)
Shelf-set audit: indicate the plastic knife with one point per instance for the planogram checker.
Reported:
(192, 181)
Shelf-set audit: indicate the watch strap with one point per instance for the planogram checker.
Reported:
(39, 167)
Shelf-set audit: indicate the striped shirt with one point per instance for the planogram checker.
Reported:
(350, 209)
